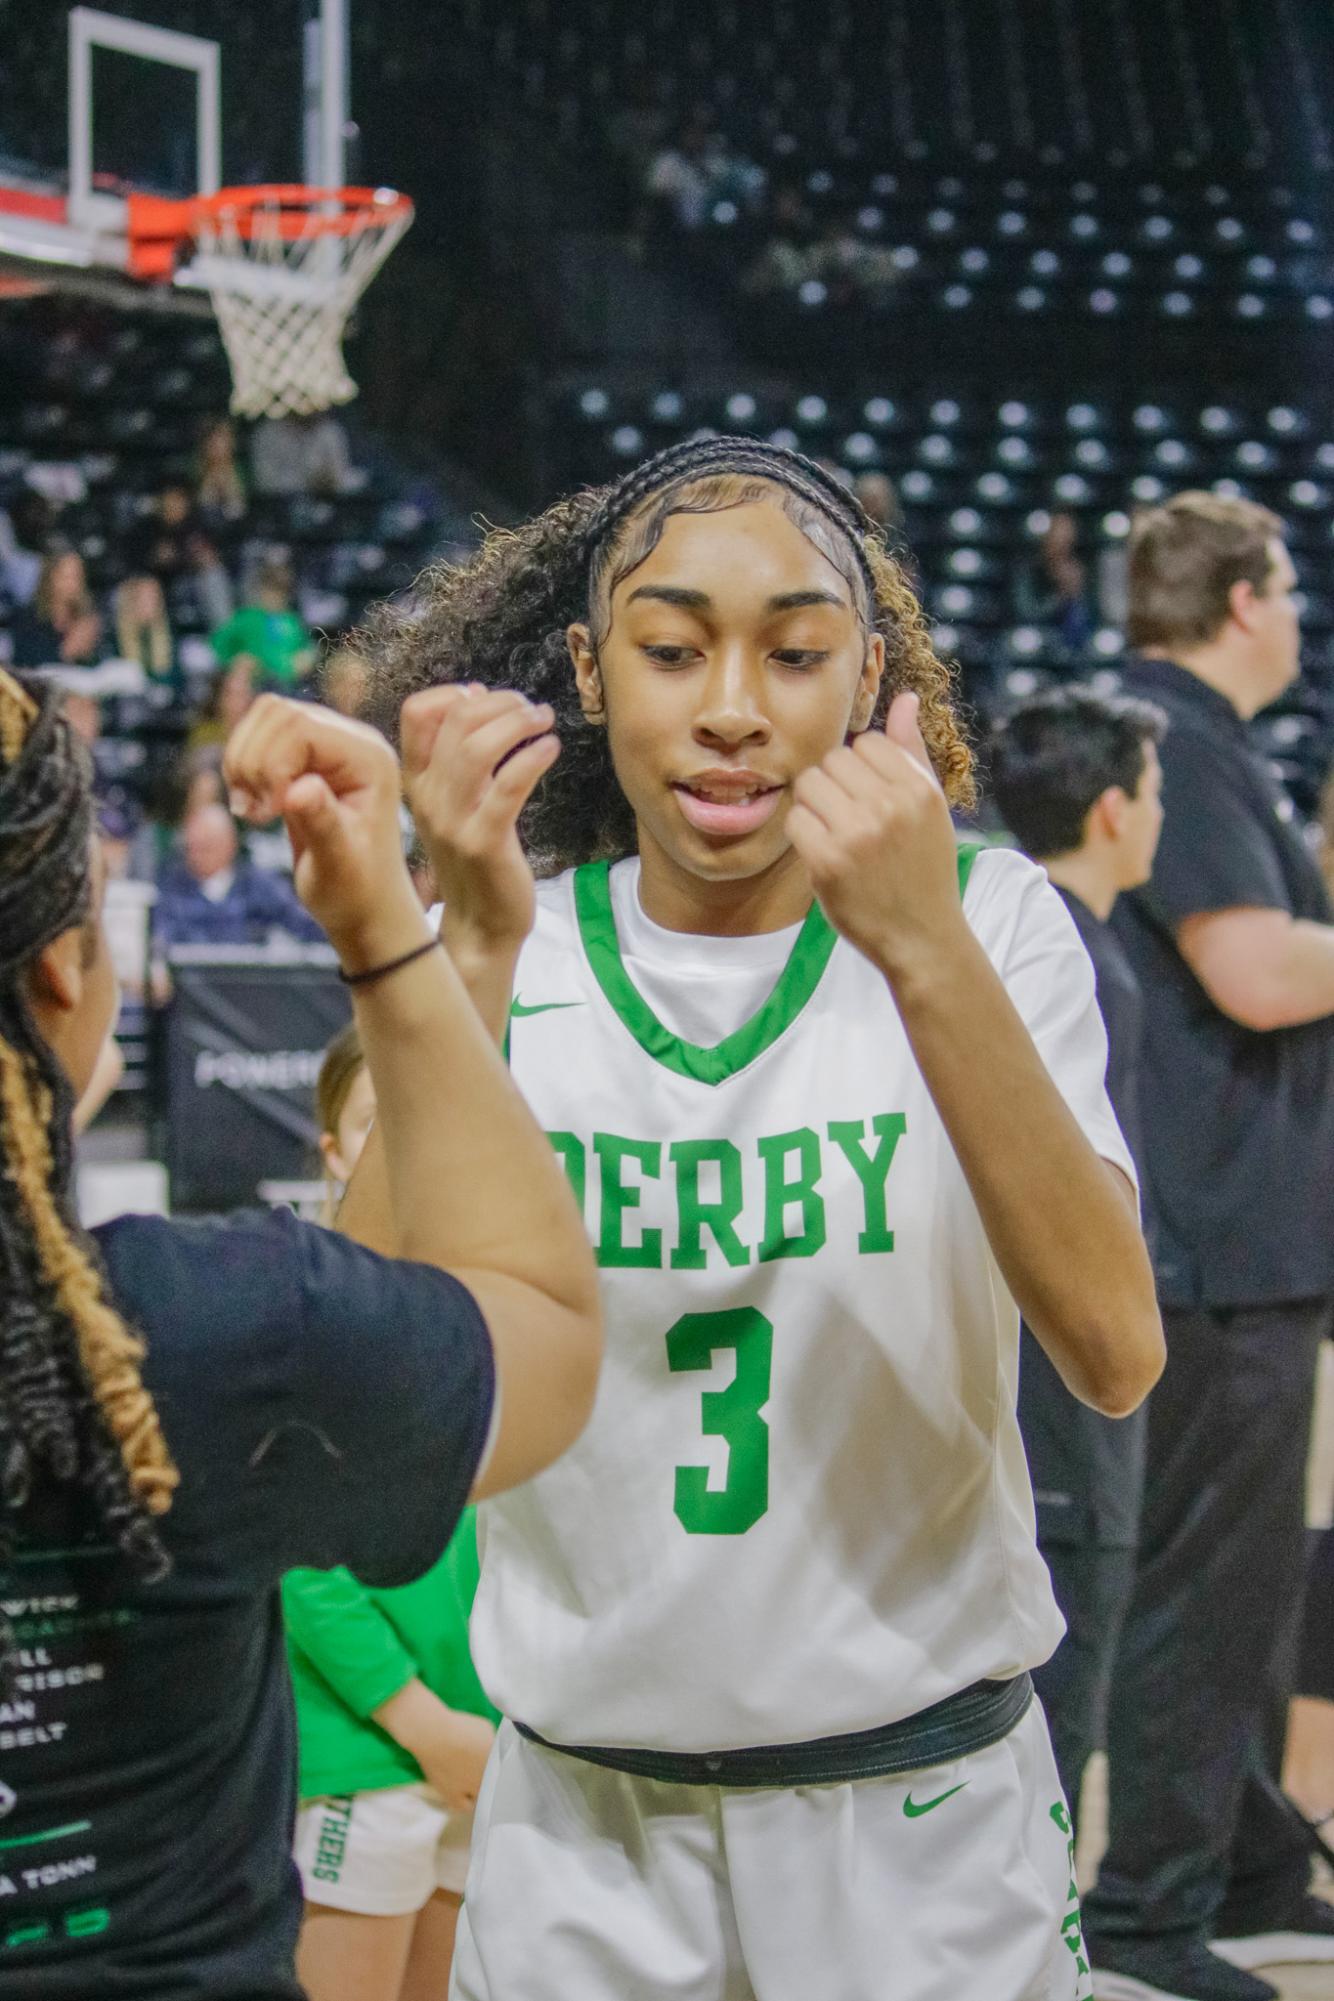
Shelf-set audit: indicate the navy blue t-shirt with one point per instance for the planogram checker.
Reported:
(324, 1406)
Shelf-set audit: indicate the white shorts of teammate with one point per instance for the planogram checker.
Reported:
(950, 1884)
(382, 1854)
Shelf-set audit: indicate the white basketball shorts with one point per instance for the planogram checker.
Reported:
(951, 1884)
(381, 1853)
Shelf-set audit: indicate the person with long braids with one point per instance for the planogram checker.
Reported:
(189, 1409)
(830, 1092)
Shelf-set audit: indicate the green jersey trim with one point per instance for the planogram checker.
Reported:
(796, 983)
(795, 986)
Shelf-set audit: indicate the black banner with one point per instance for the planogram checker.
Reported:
(245, 1033)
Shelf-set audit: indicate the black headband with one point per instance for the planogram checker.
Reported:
(702, 458)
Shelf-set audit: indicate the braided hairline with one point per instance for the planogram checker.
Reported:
(71, 1398)
(704, 458)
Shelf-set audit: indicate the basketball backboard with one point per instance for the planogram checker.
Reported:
(90, 31)
(144, 113)
(80, 227)
(142, 215)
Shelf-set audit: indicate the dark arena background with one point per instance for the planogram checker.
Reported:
(1014, 270)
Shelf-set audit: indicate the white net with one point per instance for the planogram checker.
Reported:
(283, 277)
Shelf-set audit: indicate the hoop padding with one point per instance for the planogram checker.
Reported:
(284, 267)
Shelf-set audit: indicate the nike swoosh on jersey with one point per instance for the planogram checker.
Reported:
(518, 1009)
(912, 1811)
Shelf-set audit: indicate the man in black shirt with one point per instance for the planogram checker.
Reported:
(1077, 781)
(1233, 945)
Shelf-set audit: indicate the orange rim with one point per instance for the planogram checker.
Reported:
(156, 226)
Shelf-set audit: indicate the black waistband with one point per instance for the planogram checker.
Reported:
(965, 1722)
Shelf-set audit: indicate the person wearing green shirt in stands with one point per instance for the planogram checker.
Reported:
(393, 1726)
(268, 630)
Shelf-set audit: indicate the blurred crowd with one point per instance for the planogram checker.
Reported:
(160, 669)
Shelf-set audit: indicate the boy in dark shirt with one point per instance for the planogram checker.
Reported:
(1077, 780)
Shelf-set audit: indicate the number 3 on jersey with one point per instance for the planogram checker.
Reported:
(733, 1414)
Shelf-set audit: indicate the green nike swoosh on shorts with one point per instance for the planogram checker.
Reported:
(914, 1812)
(518, 1010)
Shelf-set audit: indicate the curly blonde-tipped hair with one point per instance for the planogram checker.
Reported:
(72, 1402)
(501, 619)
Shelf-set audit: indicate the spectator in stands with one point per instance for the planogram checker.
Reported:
(1233, 945)
(301, 455)
(851, 267)
(112, 796)
(207, 587)
(787, 259)
(61, 626)
(690, 175)
(1077, 779)
(220, 494)
(161, 545)
(173, 546)
(128, 843)
(214, 896)
(875, 491)
(202, 782)
(116, 833)
(268, 631)
(192, 780)
(783, 266)
(1051, 591)
(131, 868)
(344, 679)
(25, 530)
(141, 629)
(229, 697)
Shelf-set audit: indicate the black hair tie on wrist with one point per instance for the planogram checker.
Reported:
(391, 966)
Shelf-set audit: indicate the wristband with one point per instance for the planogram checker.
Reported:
(391, 966)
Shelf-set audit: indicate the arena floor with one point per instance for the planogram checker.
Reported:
(1307, 1983)
(1294, 1983)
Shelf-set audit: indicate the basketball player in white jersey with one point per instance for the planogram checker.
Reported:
(830, 1091)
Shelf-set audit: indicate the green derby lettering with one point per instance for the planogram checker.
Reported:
(697, 1213)
(784, 1190)
(872, 1170)
(618, 1195)
(795, 1186)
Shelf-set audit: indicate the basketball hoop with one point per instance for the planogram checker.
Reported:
(284, 266)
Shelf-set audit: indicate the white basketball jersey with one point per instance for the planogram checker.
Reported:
(801, 1507)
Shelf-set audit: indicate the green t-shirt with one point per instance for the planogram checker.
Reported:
(351, 1649)
(277, 639)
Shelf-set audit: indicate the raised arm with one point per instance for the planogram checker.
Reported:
(466, 789)
(473, 1186)
(873, 827)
